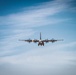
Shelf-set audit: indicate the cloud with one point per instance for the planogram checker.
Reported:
(19, 58)
(42, 53)
(42, 61)
(10, 42)
(36, 15)
(29, 17)
(22, 22)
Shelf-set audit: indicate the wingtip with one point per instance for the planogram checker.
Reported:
(61, 40)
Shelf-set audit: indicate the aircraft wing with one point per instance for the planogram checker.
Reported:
(29, 40)
(52, 40)
(35, 41)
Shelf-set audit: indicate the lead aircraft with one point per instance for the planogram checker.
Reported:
(40, 41)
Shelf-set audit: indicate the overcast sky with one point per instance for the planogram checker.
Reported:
(24, 19)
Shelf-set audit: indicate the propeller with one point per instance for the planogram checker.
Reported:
(46, 40)
(35, 40)
(29, 40)
(53, 40)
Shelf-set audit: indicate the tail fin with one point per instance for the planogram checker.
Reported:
(40, 35)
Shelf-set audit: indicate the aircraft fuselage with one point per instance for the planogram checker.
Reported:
(41, 43)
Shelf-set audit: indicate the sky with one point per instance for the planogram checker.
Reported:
(24, 19)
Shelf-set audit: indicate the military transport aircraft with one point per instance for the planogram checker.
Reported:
(41, 42)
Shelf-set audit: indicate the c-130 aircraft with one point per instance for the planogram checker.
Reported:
(40, 41)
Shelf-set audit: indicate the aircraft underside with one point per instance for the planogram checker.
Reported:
(41, 43)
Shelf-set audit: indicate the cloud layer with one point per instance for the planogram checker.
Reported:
(19, 58)
(42, 61)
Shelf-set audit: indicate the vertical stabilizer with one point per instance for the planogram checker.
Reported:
(40, 35)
